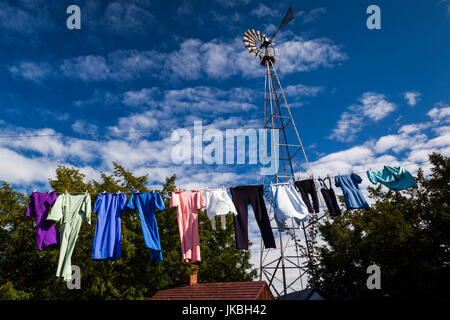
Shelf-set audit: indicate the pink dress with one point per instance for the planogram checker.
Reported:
(188, 203)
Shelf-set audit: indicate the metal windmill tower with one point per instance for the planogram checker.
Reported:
(296, 251)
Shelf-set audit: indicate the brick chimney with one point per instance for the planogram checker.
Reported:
(191, 279)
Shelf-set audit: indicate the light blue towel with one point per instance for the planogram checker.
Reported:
(395, 178)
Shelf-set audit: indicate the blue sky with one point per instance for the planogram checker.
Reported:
(360, 98)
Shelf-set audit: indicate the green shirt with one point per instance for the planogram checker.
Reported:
(69, 211)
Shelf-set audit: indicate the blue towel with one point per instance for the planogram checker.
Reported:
(395, 178)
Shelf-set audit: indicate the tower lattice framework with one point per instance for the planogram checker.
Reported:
(290, 264)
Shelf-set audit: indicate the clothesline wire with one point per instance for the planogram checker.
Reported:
(363, 172)
(212, 189)
(149, 131)
(96, 193)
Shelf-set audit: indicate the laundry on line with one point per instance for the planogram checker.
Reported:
(290, 199)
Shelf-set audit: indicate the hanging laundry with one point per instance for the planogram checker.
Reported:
(108, 229)
(354, 199)
(69, 210)
(395, 178)
(242, 197)
(146, 203)
(307, 188)
(188, 203)
(330, 198)
(287, 203)
(218, 203)
(46, 232)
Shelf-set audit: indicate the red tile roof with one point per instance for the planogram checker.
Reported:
(250, 290)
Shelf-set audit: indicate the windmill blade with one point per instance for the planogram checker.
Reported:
(288, 17)
(254, 34)
(248, 36)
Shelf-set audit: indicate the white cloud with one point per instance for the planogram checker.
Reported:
(232, 3)
(233, 122)
(29, 70)
(196, 103)
(26, 18)
(301, 90)
(99, 98)
(262, 11)
(300, 54)
(186, 62)
(126, 18)
(145, 96)
(342, 161)
(18, 169)
(441, 129)
(310, 16)
(192, 100)
(348, 125)
(446, 5)
(412, 98)
(25, 22)
(82, 126)
(185, 7)
(397, 143)
(195, 59)
(304, 17)
(121, 65)
(135, 123)
(412, 128)
(208, 99)
(87, 68)
(224, 20)
(440, 112)
(374, 106)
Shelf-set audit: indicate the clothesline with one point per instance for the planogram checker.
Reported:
(96, 193)
(208, 188)
(361, 172)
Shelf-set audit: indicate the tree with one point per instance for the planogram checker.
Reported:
(405, 233)
(25, 272)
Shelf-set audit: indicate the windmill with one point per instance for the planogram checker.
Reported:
(297, 251)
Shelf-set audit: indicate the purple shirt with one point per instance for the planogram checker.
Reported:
(46, 232)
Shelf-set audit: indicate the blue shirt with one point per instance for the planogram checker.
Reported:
(146, 203)
(108, 230)
(354, 199)
(395, 178)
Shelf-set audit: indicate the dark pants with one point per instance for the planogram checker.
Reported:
(242, 197)
(307, 187)
(330, 198)
(331, 202)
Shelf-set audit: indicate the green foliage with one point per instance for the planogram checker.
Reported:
(7, 292)
(405, 233)
(26, 272)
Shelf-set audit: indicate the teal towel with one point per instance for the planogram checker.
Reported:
(395, 178)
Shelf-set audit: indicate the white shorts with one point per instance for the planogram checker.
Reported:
(218, 203)
(287, 203)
